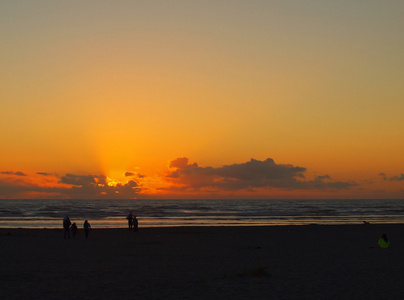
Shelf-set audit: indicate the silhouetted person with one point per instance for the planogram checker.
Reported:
(74, 229)
(66, 226)
(383, 241)
(86, 227)
(135, 224)
(130, 220)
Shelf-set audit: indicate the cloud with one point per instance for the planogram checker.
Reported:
(13, 173)
(182, 178)
(133, 174)
(323, 177)
(383, 175)
(248, 175)
(397, 178)
(319, 183)
(45, 174)
(19, 189)
(79, 180)
(96, 186)
(394, 178)
(68, 186)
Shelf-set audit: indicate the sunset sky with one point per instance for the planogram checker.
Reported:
(202, 99)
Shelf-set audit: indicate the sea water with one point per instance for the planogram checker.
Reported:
(163, 213)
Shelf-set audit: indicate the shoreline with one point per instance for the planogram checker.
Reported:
(162, 213)
(123, 227)
(198, 262)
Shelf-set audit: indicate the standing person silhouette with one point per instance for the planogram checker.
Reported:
(74, 229)
(135, 224)
(130, 220)
(86, 227)
(66, 227)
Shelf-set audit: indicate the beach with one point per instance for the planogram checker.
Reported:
(269, 262)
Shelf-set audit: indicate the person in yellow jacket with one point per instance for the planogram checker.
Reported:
(383, 241)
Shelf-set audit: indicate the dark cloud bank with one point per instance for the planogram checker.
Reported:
(13, 173)
(81, 187)
(249, 175)
(183, 176)
(96, 186)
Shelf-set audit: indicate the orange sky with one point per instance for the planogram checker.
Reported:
(93, 90)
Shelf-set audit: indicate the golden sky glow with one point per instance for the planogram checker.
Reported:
(95, 90)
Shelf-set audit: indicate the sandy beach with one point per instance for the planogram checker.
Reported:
(279, 262)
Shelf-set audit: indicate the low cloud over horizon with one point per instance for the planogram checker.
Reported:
(249, 175)
(97, 186)
(69, 186)
(13, 173)
(182, 178)
(393, 178)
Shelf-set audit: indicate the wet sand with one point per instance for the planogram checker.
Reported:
(278, 262)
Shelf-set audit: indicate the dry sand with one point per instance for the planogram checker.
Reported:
(285, 262)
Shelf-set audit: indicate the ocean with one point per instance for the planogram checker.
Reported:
(165, 213)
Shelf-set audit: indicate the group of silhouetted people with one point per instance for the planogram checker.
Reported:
(68, 226)
(132, 222)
